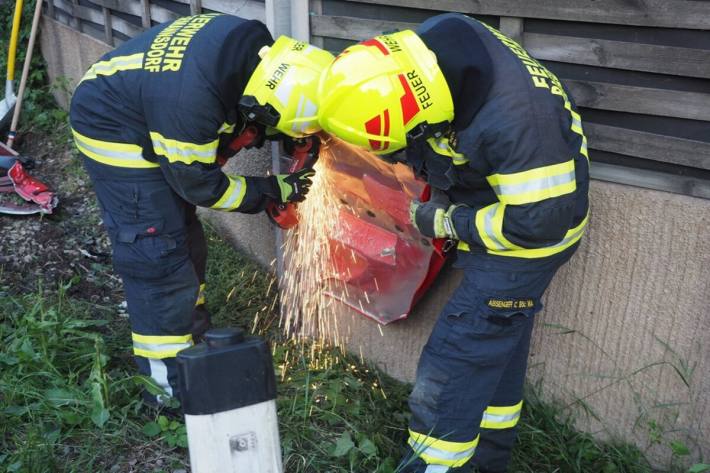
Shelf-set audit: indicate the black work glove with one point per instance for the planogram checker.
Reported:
(284, 188)
(435, 217)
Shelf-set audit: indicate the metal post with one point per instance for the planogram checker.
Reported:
(228, 393)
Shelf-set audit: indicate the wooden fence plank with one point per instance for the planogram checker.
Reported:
(594, 52)
(145, 14)
(687, 185)
(512, 27)
(667, 149)
(75, 23)
(345, 27)
(89, 14)
(316, 10)
(143, 9)
(50, 9)
(108, 26)
(250, 9)
(625, 98)
(663, 13)
(619, 54)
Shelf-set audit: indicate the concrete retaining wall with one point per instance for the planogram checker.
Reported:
(624, 340)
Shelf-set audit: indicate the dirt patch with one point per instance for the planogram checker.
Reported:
(71, 244)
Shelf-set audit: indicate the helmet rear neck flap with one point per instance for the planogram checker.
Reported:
(282, 91)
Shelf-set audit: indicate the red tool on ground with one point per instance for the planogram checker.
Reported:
(17, 181)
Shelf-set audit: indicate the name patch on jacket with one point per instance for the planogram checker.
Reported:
(168, 48)
(510, 303)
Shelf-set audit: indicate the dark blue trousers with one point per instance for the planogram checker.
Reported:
(467, 397)
(159, 251)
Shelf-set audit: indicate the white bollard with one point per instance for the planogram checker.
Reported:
(228, 393)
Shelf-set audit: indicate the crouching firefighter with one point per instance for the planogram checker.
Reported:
(498, 139)
(154, 119)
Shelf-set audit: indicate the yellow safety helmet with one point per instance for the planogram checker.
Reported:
(379, 92)
(282, 91)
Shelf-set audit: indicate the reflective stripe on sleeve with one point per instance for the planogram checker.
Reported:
(226, 128)
(114, 65)
(501, 417)
(441, 452)
(489, 223)
(160, 346)
(572, 236)
(234, 195)
(184, 152)
(534, 185)
(123, 155)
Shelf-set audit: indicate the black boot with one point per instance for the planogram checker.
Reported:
(200, 322)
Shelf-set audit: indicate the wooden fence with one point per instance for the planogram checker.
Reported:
(115, 21)
(639, 71)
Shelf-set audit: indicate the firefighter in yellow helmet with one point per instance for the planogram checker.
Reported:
(499, 140)
(153, 120)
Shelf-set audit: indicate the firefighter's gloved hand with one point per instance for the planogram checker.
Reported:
(291, 187)
(434, 218)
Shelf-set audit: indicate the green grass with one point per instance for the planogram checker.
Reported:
(69, 394)
(69, 399)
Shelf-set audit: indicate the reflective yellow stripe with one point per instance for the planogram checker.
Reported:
(577, 127)
(160, 339)
(489, 223)
(443, 147)
(201, 295)
(226, 128)
(573, 235)
(123, 155)
(159, 346)
(233, 196)
(501, 417)
(584, 149)
(182, 151)
(534, 185)
(441, 452)
(114, 65)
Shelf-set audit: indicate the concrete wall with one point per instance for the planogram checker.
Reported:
(625, 334)
(251, 233)
(626, 323)
(69, 54)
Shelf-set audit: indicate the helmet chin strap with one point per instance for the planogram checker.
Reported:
(253, 111)
(416, 138)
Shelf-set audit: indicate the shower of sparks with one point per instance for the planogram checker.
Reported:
(307, 312)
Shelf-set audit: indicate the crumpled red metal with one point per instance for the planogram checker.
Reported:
(381, 261)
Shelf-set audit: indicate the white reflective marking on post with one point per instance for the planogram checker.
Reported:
(159, 372)
(242, 440)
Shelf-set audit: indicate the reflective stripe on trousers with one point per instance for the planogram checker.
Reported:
(501, 417)
(441, 452)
